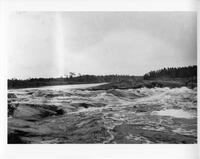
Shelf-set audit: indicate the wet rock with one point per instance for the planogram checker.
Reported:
(11, 95)
(85, 105)
(11, 108)
(88, 105)
(124, 130)
(15, 137)
(59, 129)
(90, 130)
(140, 108)
(52, 95)
(117, 93)
(36, 112)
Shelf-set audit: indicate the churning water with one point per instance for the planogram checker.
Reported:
(156, 115)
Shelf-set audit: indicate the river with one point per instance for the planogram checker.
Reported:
(76, 114)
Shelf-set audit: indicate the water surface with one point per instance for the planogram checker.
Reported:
(75, 114)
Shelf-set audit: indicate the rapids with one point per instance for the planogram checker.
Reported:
(75, 114)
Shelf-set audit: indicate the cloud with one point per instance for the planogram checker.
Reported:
(127, 52)
(51, 44)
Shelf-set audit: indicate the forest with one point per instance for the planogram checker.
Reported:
(172, 72)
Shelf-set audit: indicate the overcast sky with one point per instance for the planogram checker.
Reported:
(52, 44)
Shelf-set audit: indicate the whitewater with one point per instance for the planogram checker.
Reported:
(76, 114)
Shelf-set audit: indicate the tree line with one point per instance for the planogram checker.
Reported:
(71, 79)
(172, 72)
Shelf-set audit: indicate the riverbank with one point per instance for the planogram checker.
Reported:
(124, 84)
(81, 79)
(171, 83)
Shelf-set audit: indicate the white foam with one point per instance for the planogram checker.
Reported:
(177, 113)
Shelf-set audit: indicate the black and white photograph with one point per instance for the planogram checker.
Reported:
(102, 77)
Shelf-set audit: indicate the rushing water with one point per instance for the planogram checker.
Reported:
(156, 115)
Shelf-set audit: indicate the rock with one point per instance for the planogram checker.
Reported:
(87, 105)
(11, 95)
(122, 131)
(11, 108)
(52, 95)
(139, 108)
(15, 137)
(33, 112)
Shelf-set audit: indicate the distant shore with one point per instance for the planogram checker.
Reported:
(171, 83)
(167, 77)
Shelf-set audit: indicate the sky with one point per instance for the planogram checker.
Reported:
(52, 44)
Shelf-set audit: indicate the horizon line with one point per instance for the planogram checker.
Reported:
(66, 76)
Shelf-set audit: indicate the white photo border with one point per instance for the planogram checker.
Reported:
(93, 151)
